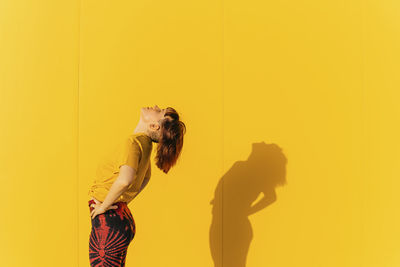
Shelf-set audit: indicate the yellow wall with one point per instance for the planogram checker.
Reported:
(307, 89)
(39, 223)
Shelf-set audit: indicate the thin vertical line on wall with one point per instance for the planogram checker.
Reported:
(363, 114)
(223, 109)
(77, 136)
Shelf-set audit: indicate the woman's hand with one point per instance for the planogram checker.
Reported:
(99, 209)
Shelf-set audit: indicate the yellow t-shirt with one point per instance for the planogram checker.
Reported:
(135, 151)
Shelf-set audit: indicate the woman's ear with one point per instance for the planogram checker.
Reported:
(154, 126)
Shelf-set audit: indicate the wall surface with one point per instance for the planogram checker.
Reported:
(39, 197)
(291, 152)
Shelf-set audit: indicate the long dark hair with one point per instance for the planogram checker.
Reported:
(170, 140)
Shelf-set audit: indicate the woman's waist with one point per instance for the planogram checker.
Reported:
(92, 199)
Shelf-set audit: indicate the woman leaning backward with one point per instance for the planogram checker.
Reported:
(122, 175)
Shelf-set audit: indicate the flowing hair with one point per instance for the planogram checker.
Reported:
(170, 140)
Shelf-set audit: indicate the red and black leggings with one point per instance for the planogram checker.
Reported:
(111, 233)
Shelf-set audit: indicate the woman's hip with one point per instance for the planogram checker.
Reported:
(119, 219)
(111, 233)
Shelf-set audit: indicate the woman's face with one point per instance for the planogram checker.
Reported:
(152, 114)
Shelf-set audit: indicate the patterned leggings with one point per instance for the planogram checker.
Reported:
(111, 233)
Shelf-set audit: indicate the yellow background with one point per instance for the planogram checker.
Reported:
(319, 79)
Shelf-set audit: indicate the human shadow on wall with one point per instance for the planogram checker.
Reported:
(230, 232)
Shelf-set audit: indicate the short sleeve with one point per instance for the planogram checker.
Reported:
(129, 154)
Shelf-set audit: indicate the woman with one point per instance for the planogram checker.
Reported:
(123, 175)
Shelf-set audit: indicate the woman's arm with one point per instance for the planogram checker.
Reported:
(125, 178)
